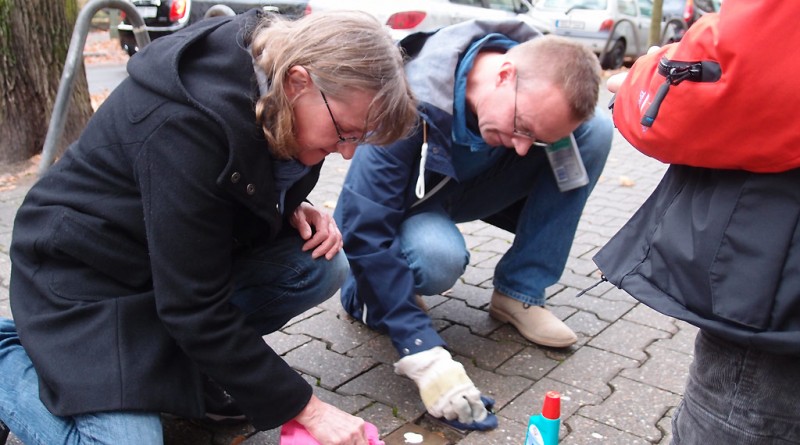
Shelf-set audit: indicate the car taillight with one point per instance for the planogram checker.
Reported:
(607, 25)
(406, 19)
(177, 10)
(688, 11)
(308, 10)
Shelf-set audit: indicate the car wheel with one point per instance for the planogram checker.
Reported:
(673, 31)
(615, 56)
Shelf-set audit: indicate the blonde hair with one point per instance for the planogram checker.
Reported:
(569, 65)
(343, 51)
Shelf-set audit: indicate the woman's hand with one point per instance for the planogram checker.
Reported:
(325, 237)
(330, 425)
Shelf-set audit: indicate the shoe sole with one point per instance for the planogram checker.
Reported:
(499, 315)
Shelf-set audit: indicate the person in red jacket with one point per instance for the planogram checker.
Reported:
(718, 243)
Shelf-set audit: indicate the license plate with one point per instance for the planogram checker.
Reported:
(147, 12)
(570, 24)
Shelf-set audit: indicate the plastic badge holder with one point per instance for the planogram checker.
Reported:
(292, 433)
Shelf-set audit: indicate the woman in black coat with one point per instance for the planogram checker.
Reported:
(148, 262)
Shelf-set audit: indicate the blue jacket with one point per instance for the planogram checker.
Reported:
(719, 249)
(381, 187)
(122, 253)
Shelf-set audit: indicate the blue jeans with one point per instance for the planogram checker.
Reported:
(738, 395)
(518, 194)
(273, 284)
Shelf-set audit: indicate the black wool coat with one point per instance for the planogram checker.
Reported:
(122, 252)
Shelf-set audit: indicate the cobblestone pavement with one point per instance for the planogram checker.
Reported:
(619, 383)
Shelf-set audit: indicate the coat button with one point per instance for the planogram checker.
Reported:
(418, 342)
(251, 189)
(235, 177)
(405, 351)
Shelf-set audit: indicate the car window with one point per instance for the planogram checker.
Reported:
(504, 5)
(646, 8)
(627, 7)
(468, 2)
(672, 8)
(583, 4)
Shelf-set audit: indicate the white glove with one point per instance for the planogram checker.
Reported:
(443, 384)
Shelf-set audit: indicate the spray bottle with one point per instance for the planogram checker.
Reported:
(543, 428)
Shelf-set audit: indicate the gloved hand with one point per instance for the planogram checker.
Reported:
(444, 386)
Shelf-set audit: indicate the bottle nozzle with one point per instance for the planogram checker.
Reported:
(552, 405)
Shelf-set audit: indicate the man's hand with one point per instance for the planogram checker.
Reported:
(330, 425)
(325, 237)
(444, 386)
(613, 83)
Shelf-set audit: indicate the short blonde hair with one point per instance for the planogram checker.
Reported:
(343, 51)
(569, 65)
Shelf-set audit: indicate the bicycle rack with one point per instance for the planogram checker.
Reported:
(74, 59)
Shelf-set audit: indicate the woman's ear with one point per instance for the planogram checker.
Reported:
(298, 80)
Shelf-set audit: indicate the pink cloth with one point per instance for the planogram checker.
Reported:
(292, 433)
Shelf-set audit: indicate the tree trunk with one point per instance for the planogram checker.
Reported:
(34, 39)
(655, 23)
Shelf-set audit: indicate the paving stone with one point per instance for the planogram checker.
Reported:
(501, 388)
(331, 368)
(589, 432)
(488, 354)
(494, 245)
(478, 276)
(585, 323)
(634, 408)
(507, 432)
(530, 363)
(382, 417)
(341, 333)
(476, 297)
(628, 339)
(604, 309)
(591, 369)
(5, 308)
(352, 404)
(683, 340)
(383, 385)
(665, 369)
(457, 311)
(379, 348)
(643, 314)
(282, 343)
(531, 400)
(484, 259)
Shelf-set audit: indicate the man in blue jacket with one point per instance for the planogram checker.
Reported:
(493, 95)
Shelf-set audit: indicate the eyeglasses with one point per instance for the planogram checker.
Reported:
(520, 132)
(342, 139)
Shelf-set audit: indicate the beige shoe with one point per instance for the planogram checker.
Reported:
(535, 323)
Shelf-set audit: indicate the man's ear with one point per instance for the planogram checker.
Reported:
(506, 73)
(298, 80)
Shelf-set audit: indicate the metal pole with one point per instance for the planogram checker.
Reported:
(74, 58)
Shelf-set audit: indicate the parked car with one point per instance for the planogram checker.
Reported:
(404, 17)
(679, 15)
(613, 29)
(163, 17)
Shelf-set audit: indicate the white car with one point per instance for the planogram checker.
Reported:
(591, 22)
(403, 17)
